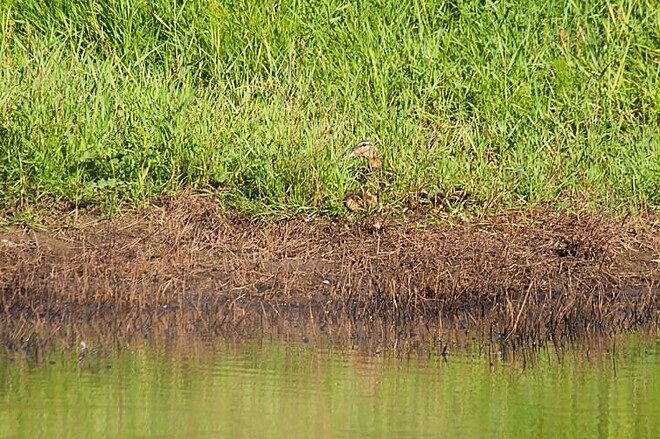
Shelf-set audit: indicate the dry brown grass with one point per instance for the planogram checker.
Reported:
(187, 267)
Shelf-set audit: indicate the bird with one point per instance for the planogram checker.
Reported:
(365, 198)
(367, 149)
(356, 200)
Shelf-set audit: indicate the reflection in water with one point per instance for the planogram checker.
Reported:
(272, 389)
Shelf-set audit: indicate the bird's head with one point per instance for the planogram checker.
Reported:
(367, 149)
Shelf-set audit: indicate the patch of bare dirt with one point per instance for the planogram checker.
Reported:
(187, 266)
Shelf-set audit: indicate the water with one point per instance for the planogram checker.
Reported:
(261, 388)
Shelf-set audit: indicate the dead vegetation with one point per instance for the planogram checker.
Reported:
(187, 267)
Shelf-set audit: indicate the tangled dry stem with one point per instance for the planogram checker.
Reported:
(189, 267)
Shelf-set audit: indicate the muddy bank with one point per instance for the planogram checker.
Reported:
(188, 267)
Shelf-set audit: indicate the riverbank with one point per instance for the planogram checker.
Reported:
(186, 265)
(480, 114)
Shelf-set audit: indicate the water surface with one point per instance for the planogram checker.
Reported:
(263, 388)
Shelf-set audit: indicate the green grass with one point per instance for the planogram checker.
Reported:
(520, 103)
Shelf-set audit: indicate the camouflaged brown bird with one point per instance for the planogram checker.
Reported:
(367, 149)
(364, 199)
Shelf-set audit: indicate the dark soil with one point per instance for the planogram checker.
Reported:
(189, 267)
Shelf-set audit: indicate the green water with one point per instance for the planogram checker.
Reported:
(272, 389)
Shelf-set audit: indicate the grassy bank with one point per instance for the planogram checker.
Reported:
(518, 103)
